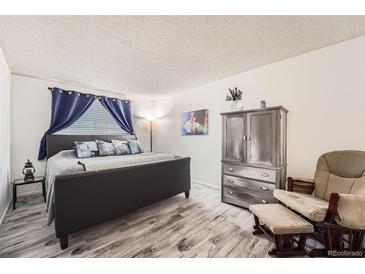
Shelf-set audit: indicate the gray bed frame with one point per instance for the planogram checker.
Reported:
(86, 198)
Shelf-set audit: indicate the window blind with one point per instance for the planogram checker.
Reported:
(96, 120)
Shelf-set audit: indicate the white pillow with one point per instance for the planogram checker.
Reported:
(121, 147)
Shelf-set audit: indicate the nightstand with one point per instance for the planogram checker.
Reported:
(20, 182)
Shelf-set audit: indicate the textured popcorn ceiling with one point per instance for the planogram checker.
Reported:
(158, 55)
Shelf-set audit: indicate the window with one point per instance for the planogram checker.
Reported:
(96, 120)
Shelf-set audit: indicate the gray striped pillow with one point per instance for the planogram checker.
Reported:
(121, 147)
(105, 148)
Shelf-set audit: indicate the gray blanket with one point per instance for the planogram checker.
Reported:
(65, 162)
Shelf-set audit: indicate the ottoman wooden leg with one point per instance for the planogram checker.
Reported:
(274, 251)
(302, 240)
(256, 227)
(285, 246)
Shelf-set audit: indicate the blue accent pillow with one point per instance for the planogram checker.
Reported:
(135, 147)
(91, 145)
(105, 148)
(81, 150)
(121, 147)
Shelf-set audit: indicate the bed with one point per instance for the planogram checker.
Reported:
(82, 198)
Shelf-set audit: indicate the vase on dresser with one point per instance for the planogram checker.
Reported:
(236, 105)
(253, 155)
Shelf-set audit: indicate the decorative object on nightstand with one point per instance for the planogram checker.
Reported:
(253, 155)
(235, 97)
(20, 182)
(28, 171)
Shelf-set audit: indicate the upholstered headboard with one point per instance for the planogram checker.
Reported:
(57, 142)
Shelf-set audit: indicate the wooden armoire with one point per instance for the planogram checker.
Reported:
(253, 155)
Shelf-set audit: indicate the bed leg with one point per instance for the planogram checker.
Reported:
(64, 242)
(187, 194)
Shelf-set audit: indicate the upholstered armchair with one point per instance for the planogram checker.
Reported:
(334, 201)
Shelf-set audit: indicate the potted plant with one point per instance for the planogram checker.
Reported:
(234, 97)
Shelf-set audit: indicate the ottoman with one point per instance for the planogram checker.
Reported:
(287, 230)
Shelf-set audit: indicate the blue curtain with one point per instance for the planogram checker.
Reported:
(67, 107)
(120, 110)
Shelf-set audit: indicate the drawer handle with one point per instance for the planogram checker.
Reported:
(264, 188)
(230, 181)
(264, 201)
(264, 174)
(230, 192)
(230, 169)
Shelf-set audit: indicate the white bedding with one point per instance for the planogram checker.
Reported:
(65, 162)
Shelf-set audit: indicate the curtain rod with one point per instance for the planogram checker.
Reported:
(96, 95)
(67, 83)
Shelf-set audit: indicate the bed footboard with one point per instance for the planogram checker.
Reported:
(85, 199)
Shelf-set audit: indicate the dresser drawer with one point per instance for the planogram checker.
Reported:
(247, 184)
(267, 175)
(245, 198)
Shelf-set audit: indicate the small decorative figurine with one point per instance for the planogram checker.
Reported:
(28, 171)
(263, 104)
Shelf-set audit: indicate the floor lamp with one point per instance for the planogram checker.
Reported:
(151, 132)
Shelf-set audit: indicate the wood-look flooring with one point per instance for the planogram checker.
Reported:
(201, 226)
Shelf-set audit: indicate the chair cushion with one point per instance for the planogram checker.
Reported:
(308, 205)
(350, 211)
(341, 172)
(339, 185)
(281, 220)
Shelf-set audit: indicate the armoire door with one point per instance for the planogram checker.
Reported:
(233, 133)
(261, 138)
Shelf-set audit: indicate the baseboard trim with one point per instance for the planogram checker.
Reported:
(6, 210)
(26, 194)
(206, 184)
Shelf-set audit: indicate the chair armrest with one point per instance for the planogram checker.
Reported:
(350, 211)
(301, 185)
(332, 207)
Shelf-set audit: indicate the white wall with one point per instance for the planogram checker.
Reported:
(323, 90)
(31, 110)
(5, 194)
